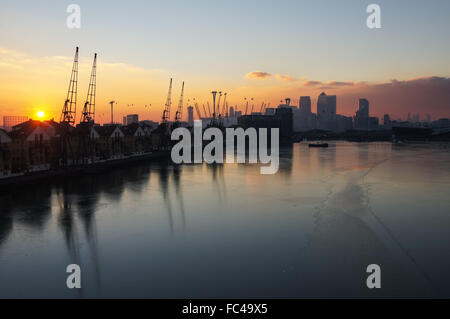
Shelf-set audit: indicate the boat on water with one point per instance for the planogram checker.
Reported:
(318, 145)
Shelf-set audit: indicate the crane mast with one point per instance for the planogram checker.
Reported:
(88, 114)
(70, 105)
(179, 113)
(166, 112)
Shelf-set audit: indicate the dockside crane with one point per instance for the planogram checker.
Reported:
(179, 112)
(204, 111)
(246, 106)
(88, 114)
(70, 105)
(166, 112)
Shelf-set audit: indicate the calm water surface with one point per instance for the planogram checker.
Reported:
(225, 231)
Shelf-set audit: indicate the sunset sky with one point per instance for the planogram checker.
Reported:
(268, 50)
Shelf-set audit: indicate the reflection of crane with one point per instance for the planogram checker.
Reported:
(179, 113)
(70, 105)
(88, 113)
(112, 111)
(166, 112)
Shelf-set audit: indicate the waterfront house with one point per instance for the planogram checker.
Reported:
(31, 147)
(134, 138)
(110, 142)
(5, 154)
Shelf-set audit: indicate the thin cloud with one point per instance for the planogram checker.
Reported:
(336, 83)
(257, 75)
(286, 78)
(312, 83)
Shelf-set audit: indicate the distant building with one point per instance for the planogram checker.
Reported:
(190, 116)
(441, 123)
(130, 119)
(374, 123)
(362, 115)
(10, 121)
(387, 124)
(231, 111)
(326, 112)
(282, 119)
(305, 104)
(305, 116)
(343, 123)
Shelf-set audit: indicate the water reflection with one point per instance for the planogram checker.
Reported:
(179, 193)
(250, 235)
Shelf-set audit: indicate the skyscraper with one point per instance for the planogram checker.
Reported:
(305, 104)
(362, 115)
(322, 104)
(305, 113)
(364, 107)
(326, 112)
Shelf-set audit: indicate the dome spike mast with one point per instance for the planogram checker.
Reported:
(70, 105)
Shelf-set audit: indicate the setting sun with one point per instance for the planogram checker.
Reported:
(40, 114)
